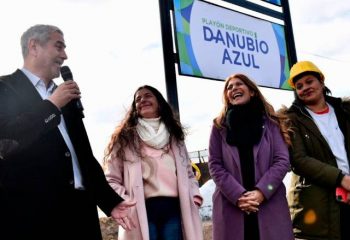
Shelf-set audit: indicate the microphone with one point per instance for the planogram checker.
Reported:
(66, 74)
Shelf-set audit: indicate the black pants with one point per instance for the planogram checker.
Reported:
(251, 227)
(344, 221)
(85, 224)
(73, 216)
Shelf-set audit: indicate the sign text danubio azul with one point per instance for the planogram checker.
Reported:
(240, 47)
(222, 42)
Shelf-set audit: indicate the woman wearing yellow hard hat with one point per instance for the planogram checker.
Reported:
(320, 155)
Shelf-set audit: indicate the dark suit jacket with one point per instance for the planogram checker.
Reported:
(37, 197)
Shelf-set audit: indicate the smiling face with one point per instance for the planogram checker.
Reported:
(146, 104)
(237, 92)
(309, 89)
(45, 59)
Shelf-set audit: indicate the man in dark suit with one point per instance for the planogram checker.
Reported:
(50, 182)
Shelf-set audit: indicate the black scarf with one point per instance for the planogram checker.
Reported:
(245, 123)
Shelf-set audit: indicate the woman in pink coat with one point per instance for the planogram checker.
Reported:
(147, 160)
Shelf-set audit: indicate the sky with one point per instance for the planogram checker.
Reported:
(114, 46)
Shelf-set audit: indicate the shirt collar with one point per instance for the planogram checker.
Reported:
(37, 82)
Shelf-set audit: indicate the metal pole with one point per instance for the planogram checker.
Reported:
(289, 32)
(168, 54)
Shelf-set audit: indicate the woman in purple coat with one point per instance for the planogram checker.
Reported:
(248, 159)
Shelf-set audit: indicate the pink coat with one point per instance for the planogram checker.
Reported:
(125, 177)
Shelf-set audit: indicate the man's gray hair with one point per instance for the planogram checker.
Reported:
(39, 32)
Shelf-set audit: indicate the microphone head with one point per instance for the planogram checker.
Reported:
(66, 73)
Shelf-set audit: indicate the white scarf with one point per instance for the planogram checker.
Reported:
(153, 132)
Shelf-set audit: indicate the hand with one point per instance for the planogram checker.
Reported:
(250, 201)
(64, 93)
(348, 198)
(198, 201)
(120, 214)
(345, 182)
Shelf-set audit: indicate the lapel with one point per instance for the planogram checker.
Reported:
(256, 147)
(134, 168)
(27, 93)
(25, 90)
(28, 96)
(303, 117)
(180, 157)
(311, 126)
(232, 151)
(69, 119)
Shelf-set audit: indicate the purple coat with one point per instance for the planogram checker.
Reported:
(271, 165)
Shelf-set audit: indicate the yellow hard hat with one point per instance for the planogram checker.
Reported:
(301, 67)
(196, 170)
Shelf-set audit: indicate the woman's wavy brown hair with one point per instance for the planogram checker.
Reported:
(278, 118)
(125, 134)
